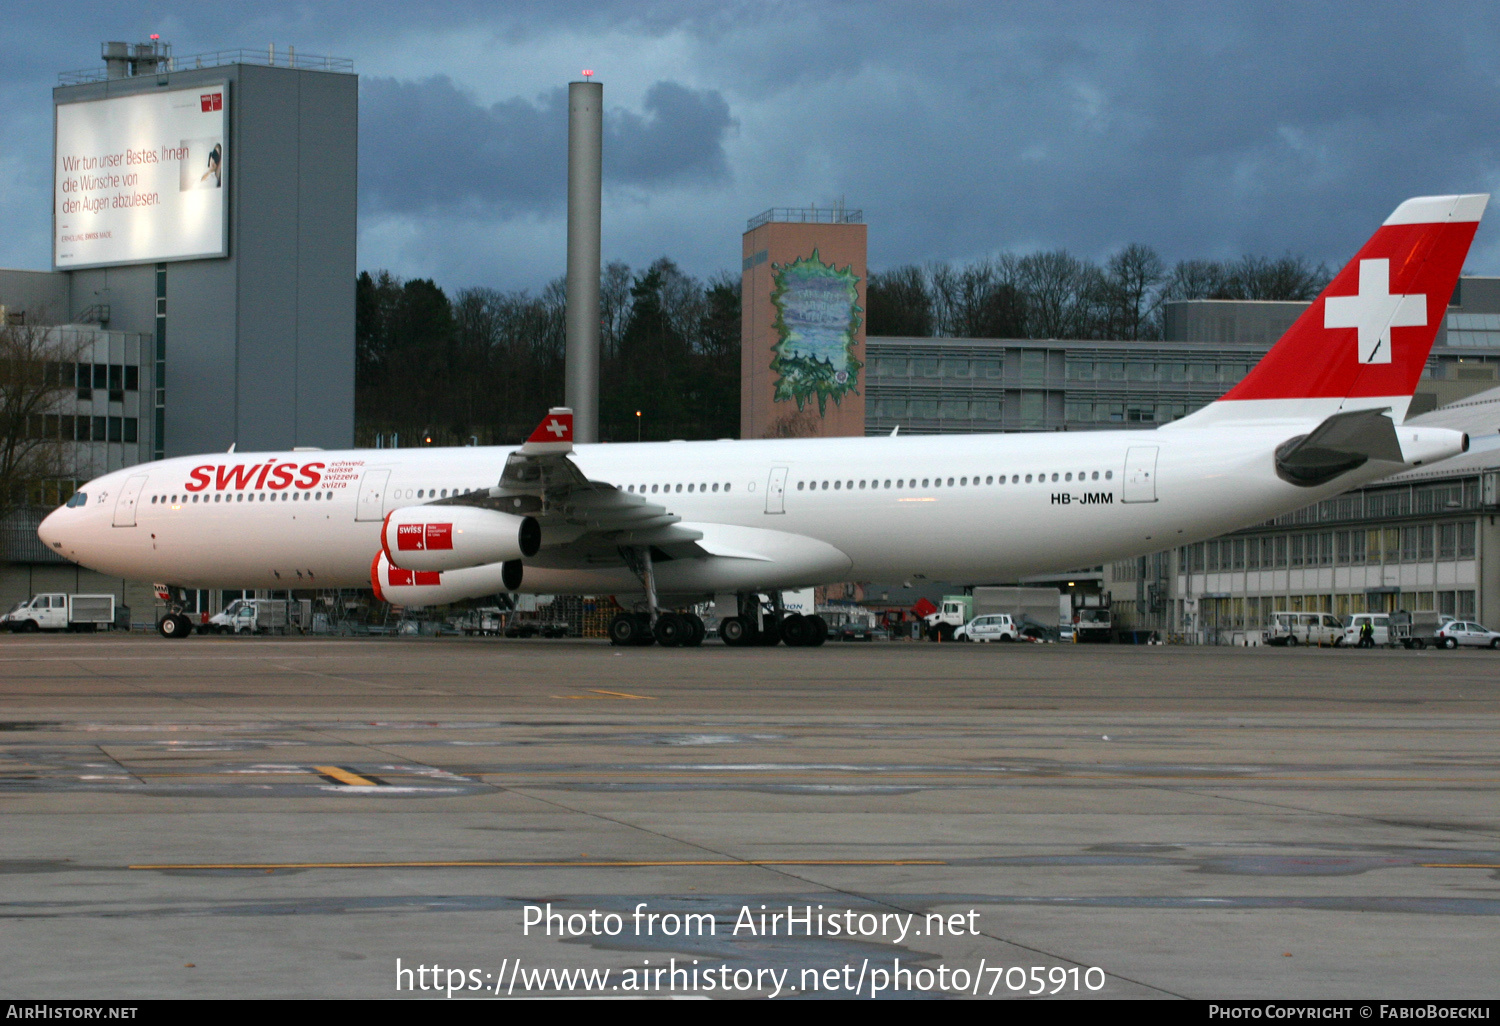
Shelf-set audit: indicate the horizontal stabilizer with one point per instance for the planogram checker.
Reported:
(1343, 442)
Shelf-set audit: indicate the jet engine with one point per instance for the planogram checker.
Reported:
(439, 587)
(441, 538)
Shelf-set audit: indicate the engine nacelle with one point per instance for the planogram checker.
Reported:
(456, 537)
(404, 587)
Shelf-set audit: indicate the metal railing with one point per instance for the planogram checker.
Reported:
(270, 57)
(807, 215)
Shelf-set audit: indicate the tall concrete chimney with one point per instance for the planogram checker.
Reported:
(585, 162)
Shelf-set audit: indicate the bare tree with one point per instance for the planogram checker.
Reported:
(614, 306)
(1132, 277)
(36, 370)
(1058, 286)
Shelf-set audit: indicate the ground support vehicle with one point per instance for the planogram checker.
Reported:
(1087, 617)
(1040, 605)
(1414, 630)
(994, 627)
(1292, 629)
(58, 611)
(1468, 634)
(249, 616)
(1382, 624)
(486, 622)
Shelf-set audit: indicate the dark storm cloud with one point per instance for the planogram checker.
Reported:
(430, 146)
(960, 128)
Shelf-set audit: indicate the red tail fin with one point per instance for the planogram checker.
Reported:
(1365, 339)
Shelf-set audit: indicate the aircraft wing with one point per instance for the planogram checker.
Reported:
(584, 522)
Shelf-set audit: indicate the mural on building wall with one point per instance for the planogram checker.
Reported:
(817, 321)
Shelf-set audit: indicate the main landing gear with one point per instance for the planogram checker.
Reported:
(756, 625)
(671, 630)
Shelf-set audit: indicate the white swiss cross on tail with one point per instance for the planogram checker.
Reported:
(553, 435)
(1374, 311)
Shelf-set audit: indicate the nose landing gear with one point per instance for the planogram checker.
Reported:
(174, 625)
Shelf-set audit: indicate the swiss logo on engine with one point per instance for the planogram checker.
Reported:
(422, 537)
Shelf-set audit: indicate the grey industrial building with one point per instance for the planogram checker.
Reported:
(958, 386)
(253, 348)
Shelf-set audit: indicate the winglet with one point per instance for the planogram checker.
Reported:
(553, 435)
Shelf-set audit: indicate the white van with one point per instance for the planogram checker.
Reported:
(1380, 621)
(995, 627)
(1288, 628)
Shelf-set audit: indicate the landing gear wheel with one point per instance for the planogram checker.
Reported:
(794, 630)
(770, 632)
(736, 631)
(814, 631)
(623, 629)
(174, 625)
(671, 630)
(699, 631)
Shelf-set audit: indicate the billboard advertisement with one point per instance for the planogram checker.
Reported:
(142, 178)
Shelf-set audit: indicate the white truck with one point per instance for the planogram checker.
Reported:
(1088, 616)
(248, 616)
(1033, 610)
(59, 611)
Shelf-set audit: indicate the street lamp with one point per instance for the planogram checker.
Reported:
(637, 425)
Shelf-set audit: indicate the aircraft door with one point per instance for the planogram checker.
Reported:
(776, 491)
(372, 495)
(1140, 474)
(130, 496)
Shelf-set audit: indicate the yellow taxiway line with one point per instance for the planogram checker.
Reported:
(344, 776)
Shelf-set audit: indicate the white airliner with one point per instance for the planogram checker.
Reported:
(662, 525)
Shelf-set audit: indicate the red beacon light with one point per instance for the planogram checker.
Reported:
(155, 36)
(588, 73)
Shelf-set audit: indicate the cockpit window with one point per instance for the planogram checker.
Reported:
(78, 499)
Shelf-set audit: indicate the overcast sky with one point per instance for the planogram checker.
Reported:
(961, 130)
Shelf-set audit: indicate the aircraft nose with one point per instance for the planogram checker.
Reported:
(51, 529)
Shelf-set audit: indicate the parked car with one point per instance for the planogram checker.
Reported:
(856, 630)
(1466, 632)
(1288, 628)
(994, 627)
